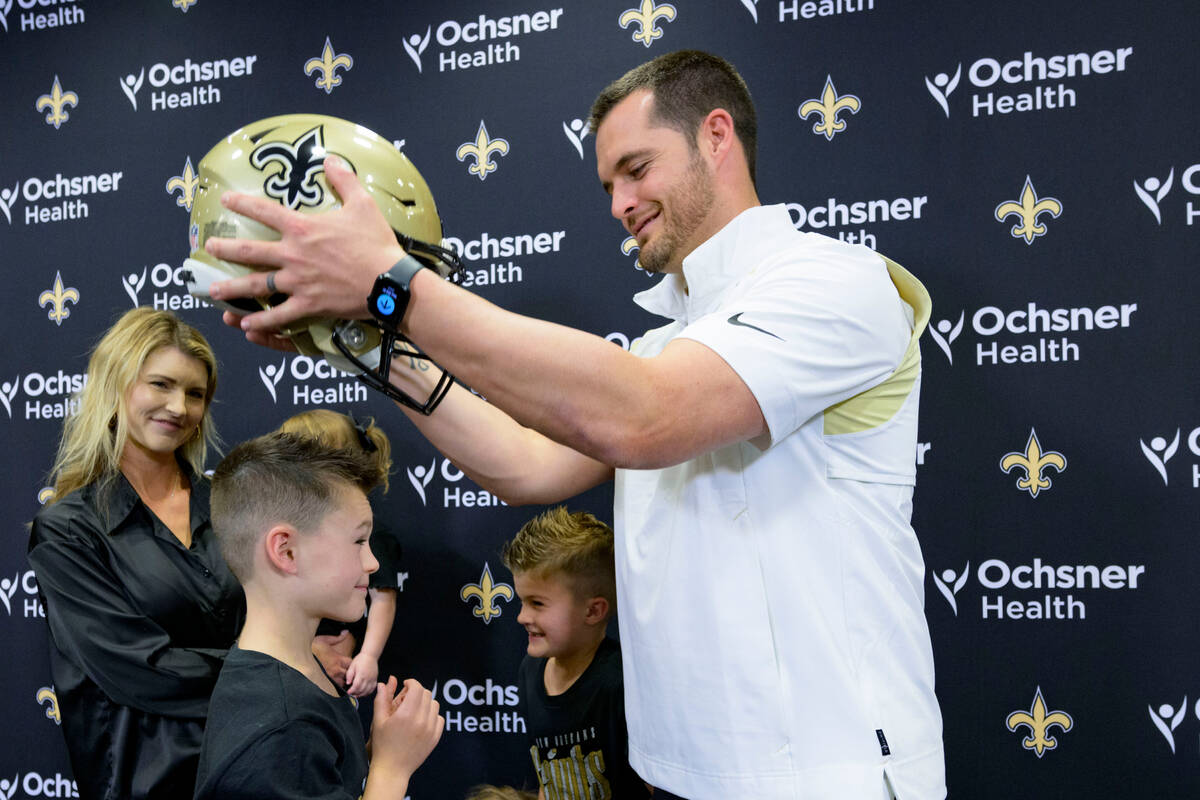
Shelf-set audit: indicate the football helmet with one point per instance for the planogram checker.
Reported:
(282, 158)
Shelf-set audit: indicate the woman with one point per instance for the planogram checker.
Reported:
(140, 604)
(336, 644)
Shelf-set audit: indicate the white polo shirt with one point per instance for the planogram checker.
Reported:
(772, 600)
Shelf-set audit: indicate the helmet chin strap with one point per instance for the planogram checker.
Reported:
(379, 378)
(448, 265)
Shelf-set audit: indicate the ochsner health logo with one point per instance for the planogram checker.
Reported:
(183, 85)
(480, 42)
(1159, 452)
(7, 198)
(1152, 191)
(1037, 82)
(950, 583)
(942, 86)
(8, 390)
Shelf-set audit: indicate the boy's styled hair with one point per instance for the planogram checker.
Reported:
(687, 85)
(279, 478)
(576, 545)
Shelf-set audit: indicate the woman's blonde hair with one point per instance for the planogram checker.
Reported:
(334, 429)
(94, 438)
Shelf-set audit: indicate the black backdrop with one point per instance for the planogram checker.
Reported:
(1071, 322)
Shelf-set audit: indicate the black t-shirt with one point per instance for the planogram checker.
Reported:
(272, 733)
(580, 734)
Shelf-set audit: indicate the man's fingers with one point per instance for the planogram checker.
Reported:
(264, 339)
(253, 284)
(245, 251)
(274, 318)
(344, 182)
(261, 209)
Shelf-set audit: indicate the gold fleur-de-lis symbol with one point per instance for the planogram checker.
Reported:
(1039, 724)
(47, 695)
(487, 592)
(828, 108)
(56, 102)
(646, 17)
(1034, 462)
(481, 150)
(183, 5)
(1028, 209)
(185, 184)
(45, 495)
(57, 298)
(328, 65)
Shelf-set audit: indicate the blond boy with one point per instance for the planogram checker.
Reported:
(571, 685)
(293, 522)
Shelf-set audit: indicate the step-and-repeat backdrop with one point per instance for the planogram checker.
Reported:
(1035, 163)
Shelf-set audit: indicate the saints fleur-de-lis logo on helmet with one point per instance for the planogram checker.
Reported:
(1028, 209)
(1039, 723)
(1034, 463)
(828, 108)
(481, 150)
(294, 183)
(328, 64)
(57, 298)
(646, 17)
(487, 592)
(55, 103)
(185, 184)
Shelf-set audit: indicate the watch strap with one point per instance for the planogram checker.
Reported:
(403, 270)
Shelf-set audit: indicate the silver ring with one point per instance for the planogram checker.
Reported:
(271, 283)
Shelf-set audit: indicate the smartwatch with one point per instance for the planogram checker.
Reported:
(389, 296)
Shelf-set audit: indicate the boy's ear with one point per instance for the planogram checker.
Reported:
(280, 546)
(596, 611)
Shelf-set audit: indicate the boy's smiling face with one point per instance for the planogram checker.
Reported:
(337, 558)
(551, 614)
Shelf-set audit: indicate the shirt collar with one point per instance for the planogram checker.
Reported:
(122, 499)
(719, 262)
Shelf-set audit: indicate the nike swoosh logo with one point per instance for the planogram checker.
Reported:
(736, 320)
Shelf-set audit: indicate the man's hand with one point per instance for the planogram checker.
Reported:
(327, 262)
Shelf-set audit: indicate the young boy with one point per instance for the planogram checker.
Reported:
(572, 694)
(292, 518)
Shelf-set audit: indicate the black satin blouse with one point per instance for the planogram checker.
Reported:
(139, 628)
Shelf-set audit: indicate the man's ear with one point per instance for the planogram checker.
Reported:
(596, 611)
(717, 135)
(280, 545)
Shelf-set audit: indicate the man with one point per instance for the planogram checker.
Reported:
(762, 444)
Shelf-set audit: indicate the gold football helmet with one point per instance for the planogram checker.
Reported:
(282, 158)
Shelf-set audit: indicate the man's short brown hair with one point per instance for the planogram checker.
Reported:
(687, 85)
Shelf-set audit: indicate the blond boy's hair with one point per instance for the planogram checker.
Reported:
(575, 545)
